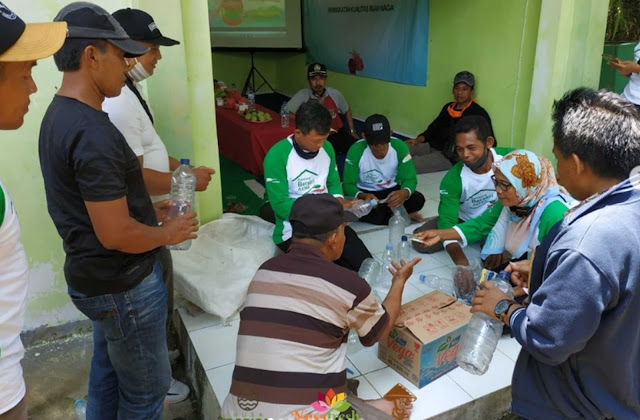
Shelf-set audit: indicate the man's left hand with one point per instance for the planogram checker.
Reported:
(486, 299)
(397, 198)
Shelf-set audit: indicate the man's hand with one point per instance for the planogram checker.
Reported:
(366, 196)
(181, 228)
(625, 67)
(486, 299)
(162, 210)
(203, 177)
(354, 134)
(496, 260)
(411, 142)
(519, 272)
(397, 198)
(429, 237)
(401, 272)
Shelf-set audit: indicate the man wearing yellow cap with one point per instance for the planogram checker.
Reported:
(20, 46)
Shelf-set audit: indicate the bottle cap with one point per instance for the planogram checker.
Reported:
(504, 275)
(389, 246)
(404, 238)
(79, 403)
(184, 161)
(374, 202)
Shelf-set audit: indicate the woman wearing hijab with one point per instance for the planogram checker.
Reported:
(532, 203)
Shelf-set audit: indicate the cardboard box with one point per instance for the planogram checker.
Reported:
(424, 341)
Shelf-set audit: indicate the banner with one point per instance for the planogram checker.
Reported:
(381, 39)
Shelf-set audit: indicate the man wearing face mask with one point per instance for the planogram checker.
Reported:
(133, 116)
(467, 189)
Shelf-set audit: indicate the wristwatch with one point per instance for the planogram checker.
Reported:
(353, 130)
(502, 308)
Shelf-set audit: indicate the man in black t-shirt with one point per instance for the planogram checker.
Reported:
(98, 201)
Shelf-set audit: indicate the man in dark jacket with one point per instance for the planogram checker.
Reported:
(438, 139)
(580, 353)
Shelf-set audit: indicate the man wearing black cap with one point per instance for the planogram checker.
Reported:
(296, 318)
(438, 139)
(333, 100)
(98, 201)
(380, 167)
(20, 46)
(133, 116)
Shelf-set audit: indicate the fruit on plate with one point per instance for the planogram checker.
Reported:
(257, 116)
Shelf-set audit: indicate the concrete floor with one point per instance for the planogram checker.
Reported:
(57, 374)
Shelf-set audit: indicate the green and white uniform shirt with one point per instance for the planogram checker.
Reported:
(362, 171)
(289, 176)
(14, 271)
(464, 194)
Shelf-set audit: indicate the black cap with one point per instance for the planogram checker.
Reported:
(377, 129)
(87, 20)
(141, 27)
(316, 69)
(464, 77)
(315, 214)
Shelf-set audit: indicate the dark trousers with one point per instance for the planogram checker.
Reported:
(341, 141)
(353, 254)
(382, 213)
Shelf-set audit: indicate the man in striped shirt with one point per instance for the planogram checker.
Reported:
(296, 318)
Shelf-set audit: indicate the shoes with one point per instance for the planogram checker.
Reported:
(178, 392)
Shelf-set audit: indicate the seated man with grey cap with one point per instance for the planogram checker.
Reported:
(435, 147)
(295, 320)
(99, 204)
(379, 167)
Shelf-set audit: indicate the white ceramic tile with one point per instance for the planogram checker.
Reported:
(410, 293)
(442, 257)
(352, 371)
(362, 227)
(430, 190)
(510, 347)
(430, 208)
(427, 263)
(366, 360)
(439, 396)
(220, 380)
(376, 242)
(193, 323)
(365, 390)
(432, 177)
(216, 346)
(497, 377)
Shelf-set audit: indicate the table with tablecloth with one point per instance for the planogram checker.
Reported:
(245, 142)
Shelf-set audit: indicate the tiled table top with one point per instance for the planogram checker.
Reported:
(215, 343)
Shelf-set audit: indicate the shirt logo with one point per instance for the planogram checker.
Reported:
(8, 14)
(407, 158)
(306, 183)
(372, 176)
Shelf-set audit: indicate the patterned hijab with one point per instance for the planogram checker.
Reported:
(536, 186)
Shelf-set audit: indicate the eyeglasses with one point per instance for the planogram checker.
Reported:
(504, 186)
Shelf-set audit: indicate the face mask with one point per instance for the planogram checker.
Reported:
(477, 164)
(137, 73)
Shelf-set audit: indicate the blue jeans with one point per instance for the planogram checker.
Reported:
(130, 370)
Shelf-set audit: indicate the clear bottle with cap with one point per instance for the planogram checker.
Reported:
(363, 208)
(183, 196)
(251, 100)
(383, 282)
(479, 341)
(284, 115)
(397, 224)
(404, 249)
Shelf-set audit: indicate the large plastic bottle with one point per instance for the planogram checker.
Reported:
(369, 270)
(363, 208)
(284, 115)
(251, 100)
(397, 225)
(183, 195)
(437, 283)
(404, 249)
(81, 409)
(479, 341)
(383, 282)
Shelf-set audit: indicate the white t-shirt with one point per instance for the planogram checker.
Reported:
(14, 271)
(632, 91)
(128, 115)
(478, 191)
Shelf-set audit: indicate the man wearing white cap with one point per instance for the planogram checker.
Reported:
(20, 46)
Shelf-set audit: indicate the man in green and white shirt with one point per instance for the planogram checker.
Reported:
(380, 167)
(467, 189)
(305, 163)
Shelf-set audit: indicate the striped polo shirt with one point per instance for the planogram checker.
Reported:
(292, 340)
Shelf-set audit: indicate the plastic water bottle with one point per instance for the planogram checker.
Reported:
(183, 195)
(369, 270)
(284, 115)
(404, 249)
(81, 409)
(383, 282)
(251, 99)
(397, 225)
(353, 342)
(479, 341)
(363, 208)
(436, 283)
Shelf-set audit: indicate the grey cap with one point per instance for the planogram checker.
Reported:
(465, 77)
(88, 20)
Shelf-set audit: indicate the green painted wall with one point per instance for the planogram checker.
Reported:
(460, 38)
(183, 101)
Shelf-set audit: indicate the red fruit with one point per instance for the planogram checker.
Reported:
(352, 66)
(359, 65)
